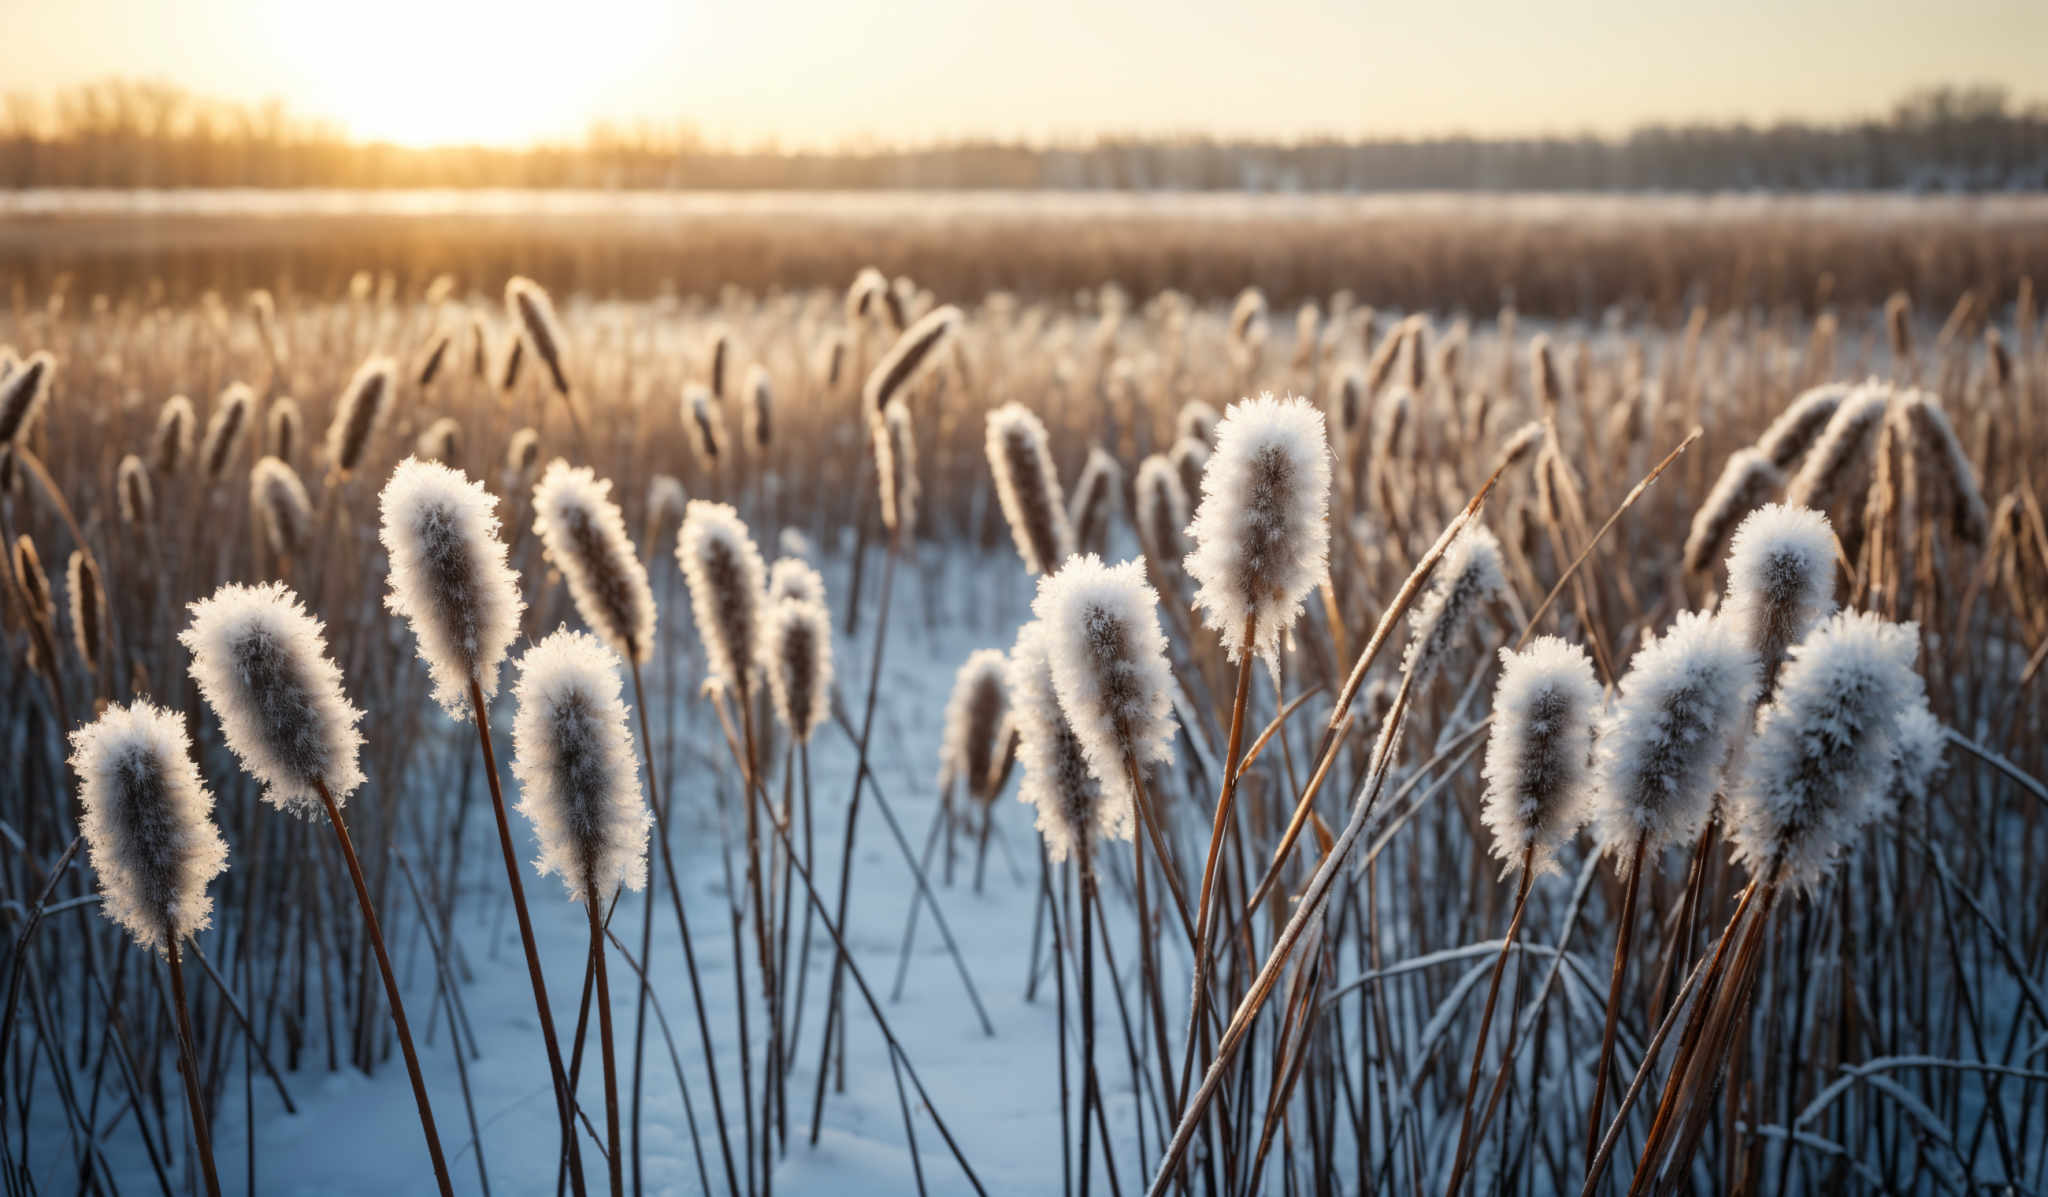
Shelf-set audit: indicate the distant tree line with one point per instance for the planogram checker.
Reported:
(122, 133)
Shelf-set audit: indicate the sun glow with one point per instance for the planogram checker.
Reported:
(424, 73)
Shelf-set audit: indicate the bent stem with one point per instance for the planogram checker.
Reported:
(188, 1064)
(1633, 883)
(1461, 1160)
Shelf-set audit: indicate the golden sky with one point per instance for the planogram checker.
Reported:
(810, 72)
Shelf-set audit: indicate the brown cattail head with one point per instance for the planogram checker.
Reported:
(1943, 476)
(1747, 482)
(522, 453)
(896, 467)
(1095, 494)
(1543, 378)
(23, 392)
(1027, 487)
(1898, 325)
(705, 424)
(534, 315)
(225, 428)
(1794, 431)
(760, 401)
(718, 362)
(136, 496)
(33, 584)
(431, 361)
(442, 442)
(1842, 453)
(281, 504)
(171, 446)
(88, 608)
(914, 352)
(282, 423)
(357, 415)
(515, 356)
(865, 296)
(1997, 359)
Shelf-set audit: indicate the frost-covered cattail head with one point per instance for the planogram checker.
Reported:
(171, 446)
(1747, 482)
(1074, 812)
(865, 295)
(1781, 581)
(1841, 453)
(795, 578)
(974, 714)
(358, 413)
(1819, 765)
(1467, 575)
(585, 536)
(1917, 756)
(522, 453)
(1027, 487)
(665, 502)
(896, 467)
(515, 356)
(726, 580)
(1536, 753)
(1162, 509)
(534, 315)
(281, 505)
(1944, 477)
(1096, 493)
(1262, 531)
(282, 427)
(260, 659)
(137, 497)
(1109, 665)
(148, 822)
(760, 400)
(705, 423)
(442, 441)
(719, 361)
(88, 608)
(34, 583)
(914, 353)
(796, 654)
(225, 429)
(1794, 431)
(1683, 701)
(23, 392)
(573, 757)
(435, 356)
(449, 579)
(1196, 421)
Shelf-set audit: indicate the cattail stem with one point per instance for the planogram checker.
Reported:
(591, 905)
(376, 937)
(564, 1097)
(1059, 966)
(1460, 1160)
(188, 1065)
(1091, 1093)
(1633, 885)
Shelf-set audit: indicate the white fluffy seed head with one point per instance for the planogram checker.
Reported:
(449, 579)
(574, 760)
(796, 654)
(1664, 742)
(1467, 575)
(147, 822)
(1746, 483)
(1109, 665)
(1074, 812)
(1820, 764)
(225, 429)
(1781, 581)
(1162, 509)
(705, 423)
(585, 536)
(260, 660)
(1028, 487)
(1262, 531)
(1917, 756)
(282, 505)
(171, 446)
(974, 714)
(726, 579)
(1536, 753)
(359, 412)
(137, 495)
(795, 578)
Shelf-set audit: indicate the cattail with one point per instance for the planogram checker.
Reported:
(282, 427)
(1998, 359)
(1196, 421)
(665, 502)
(1162, 509)
(1843, 450)
(913, 353)
(479, 348)
(896, 304)
(1916, 756)
(1543, 379)
(896, 467)
(1794, 431)
(974, 715)
(147, 821)
(1537, 750)
(1468, 574)
(515, 357)
(865, 295)
(1380, 365)
(437, 352)
(796, 654)
(448, 577)
(260, 659)
(264, 308)
(1392, 417)
(1095, 492)
(1781, 581)
(585, 536)
(1678, 710)
(136, 496)
(1348, 406)
(1190, 458)
(522, 453)
(1898, 324)
(1747, 482)
(1519, 446)
(573, 756)
(34, 583)
(832, 360)
(88, 608)
(1109, 666)
(1247, 316)
(224, 429)
(1818, 767)
(706, 426)
(281, 505)
(760, 401)
(1074, 812)
(1262, 530)
(795, 544)
(1941, 469)
(439, 289)
(715, 366)
(171, 446)
(442, 441)
(1028, 488)
(357, 415)
(726, 578)
(533, 312)
(23, 392)
(794, 579)
(1415, 354)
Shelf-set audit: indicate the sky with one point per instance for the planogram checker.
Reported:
(826, 72)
